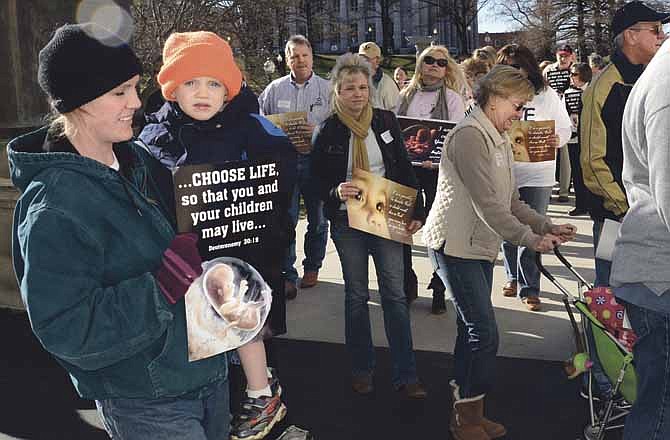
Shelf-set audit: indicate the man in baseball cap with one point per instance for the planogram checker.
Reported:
(385, 93)
(558, 74)
(637, 31)
(636, 12)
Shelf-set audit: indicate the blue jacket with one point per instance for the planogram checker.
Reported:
(236, 133)
(86, 240)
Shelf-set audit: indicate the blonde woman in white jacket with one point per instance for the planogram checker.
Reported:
(533, 179)
(476, 206)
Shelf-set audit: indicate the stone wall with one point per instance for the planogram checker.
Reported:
(25, 27)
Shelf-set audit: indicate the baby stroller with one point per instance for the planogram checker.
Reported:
(615, 358)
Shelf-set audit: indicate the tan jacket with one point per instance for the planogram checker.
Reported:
(385, 94)
(477, 203)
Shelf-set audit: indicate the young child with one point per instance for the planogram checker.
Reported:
(207, 120)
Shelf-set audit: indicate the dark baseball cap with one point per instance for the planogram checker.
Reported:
(632, 13)
(564, 48)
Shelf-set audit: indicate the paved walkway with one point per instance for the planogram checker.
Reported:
(317, 314)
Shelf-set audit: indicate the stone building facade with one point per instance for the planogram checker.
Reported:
(341, 25)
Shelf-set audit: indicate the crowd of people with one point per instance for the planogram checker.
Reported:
(95, 240)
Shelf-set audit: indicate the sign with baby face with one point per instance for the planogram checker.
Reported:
(531, 140)
(293, 124)
(382, 207)
(234, 209)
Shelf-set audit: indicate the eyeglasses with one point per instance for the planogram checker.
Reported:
(440, 61)
(656, 30)
(574, 73)
(517, 107)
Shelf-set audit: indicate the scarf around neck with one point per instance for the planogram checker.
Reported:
(441, 109)
(359, 129)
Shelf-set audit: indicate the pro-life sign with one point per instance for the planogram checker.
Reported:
(230, 206)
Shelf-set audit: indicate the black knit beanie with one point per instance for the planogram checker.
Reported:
(83, 62)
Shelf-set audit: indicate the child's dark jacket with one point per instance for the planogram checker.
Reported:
(236, 133)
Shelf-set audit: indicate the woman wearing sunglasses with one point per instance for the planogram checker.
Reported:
(476, 206)
(533, 179)
(435, 92)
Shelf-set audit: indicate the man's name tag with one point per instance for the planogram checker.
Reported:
(282, 103)
(387, 137)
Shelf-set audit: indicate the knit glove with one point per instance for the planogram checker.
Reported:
(180, 266)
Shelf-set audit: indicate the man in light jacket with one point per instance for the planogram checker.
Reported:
(302, 90)
(386, 92)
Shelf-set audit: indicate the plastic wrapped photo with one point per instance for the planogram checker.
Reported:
(226, 307)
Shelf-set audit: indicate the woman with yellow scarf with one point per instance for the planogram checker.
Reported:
(356, 136)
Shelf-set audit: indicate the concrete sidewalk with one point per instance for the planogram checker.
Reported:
(317, 314)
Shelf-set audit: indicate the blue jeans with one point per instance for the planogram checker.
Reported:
(519, 260)
(649, 418)
(353, 248)
(316, 236)
(470, 282)
(603, 267)
(207, 418)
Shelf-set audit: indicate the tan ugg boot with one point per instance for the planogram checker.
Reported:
(466, 419)
(492, 429)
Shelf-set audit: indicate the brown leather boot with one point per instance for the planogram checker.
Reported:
(492, 429)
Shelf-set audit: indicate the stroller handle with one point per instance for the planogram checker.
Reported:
(567, 296)
(567, 264)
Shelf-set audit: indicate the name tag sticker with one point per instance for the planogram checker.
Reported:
(499, 159)
(387, 137)
(282, 103)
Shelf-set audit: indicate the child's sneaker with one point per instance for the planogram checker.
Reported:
(257, 417)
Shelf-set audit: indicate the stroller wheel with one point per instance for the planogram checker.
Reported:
(591, 432)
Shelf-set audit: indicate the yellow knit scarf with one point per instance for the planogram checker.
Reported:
(359, 128)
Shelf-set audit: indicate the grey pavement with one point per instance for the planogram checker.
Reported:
(317, 314)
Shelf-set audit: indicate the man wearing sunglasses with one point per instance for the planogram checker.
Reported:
(385, 93)
(641, 259)
(638, 33)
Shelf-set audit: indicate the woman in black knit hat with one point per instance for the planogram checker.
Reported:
(92, 244)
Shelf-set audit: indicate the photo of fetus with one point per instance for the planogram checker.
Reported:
(369, 210)
(227, 298)
(419, 141)
(226, 307)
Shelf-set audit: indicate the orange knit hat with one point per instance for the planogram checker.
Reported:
(189, 55)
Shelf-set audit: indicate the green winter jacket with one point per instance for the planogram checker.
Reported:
(86, 240)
